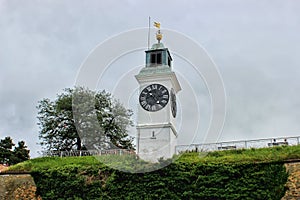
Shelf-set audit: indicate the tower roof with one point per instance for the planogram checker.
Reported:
(157, 46)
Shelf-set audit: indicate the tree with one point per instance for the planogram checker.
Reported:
(82, 119)
(20, 153)
(10, 156)
(6, 146)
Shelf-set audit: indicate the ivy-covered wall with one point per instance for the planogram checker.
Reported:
(177, 181)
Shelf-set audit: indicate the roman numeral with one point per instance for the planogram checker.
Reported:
(148, 107)
(153, 107)
(143, 103)
(142, 98)
(164, 101)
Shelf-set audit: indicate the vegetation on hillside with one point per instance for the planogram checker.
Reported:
(176, 181)
(232, 174)
(239, 156)
(130, 163)
(273, 154)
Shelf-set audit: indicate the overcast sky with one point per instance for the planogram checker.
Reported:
(254, 43)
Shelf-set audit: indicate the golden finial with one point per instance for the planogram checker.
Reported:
(158, 33)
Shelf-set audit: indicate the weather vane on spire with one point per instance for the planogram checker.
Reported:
(158, 33)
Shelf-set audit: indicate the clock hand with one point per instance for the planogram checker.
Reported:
(153, 96)
(156, 98)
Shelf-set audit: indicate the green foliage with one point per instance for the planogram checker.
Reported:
(45, 163)
(11, 156)
(273, 154)
(6, 146)
(176, 181)
(218, 175)
(20, 153)
(83, 115)
(68, 182)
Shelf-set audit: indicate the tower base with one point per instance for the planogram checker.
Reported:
(154, 142)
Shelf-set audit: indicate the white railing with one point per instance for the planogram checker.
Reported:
(241, 144)
(87, 153)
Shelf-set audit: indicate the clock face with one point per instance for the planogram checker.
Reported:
(154, 97)
(173, 103)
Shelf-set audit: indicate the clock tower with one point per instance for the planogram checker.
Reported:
(156, 122)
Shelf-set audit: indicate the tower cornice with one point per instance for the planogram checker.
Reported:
(156, 76)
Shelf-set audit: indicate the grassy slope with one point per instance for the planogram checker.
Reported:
(54, 162)
(275, 154)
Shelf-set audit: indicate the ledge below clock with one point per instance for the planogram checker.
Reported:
(158, 125)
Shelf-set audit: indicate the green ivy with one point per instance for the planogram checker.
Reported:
(176, 181)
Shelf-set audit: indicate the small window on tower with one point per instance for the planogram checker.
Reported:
(158, 58)
(153, 58)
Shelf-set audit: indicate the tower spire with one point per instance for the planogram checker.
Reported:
(158, 33)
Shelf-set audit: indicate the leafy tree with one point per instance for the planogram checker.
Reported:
(20, 153)
(80, 118)
(6, 146)
(10, 156)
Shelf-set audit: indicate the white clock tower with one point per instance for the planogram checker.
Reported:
(156, 123)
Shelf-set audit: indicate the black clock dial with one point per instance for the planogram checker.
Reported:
(154, 97)
(173, 103)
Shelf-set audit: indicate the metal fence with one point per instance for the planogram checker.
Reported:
(241, 144)
(87, 153)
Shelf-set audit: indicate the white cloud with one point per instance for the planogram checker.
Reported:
(254, 43)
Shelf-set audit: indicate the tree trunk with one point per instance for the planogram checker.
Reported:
(78, 143)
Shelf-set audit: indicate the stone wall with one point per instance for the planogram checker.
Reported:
(21, 187)
(293, 183)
